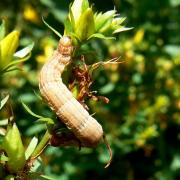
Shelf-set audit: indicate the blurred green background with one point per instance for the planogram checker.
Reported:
(142, 120)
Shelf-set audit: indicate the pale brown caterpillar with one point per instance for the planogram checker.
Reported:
(87, 130)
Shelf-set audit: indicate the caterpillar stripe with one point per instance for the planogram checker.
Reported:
(61, 101)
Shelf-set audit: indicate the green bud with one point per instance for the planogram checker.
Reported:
(8, 46)
(86, 26)
(14, 148)
(78, 7)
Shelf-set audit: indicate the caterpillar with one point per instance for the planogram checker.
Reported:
(87, 130)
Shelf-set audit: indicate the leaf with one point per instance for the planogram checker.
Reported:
(45, 120)
(121, 29)
(2, 30)
(8, 46)
(3, 101)
(31, 147)
(11, 64)
(25, 51)
(4, 122)
(9, 69)
(78, 8)
(29, 111)
(68, 27)
(101, 20)
(13, 146)
(56, 32)
(85, 26)
(47, 177)
(100, 36)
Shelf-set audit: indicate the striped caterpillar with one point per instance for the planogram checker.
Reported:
(85, 128)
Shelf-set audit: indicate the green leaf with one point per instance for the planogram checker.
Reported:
(9, 69)
(4, 122)
(78, 8)
(45, 120)
(12, 65)
(100, 36)
(17, 61)
(8, 46)
(31, 147)
(3, 101)
(103, 20)
(14, 148)
(85, 26)
(29, 111)
(121, 29)
(25, 51)
(2, 30)
(56, 32)
(68, 27)
(47, 177)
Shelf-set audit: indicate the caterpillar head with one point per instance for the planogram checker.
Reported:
(65, 46)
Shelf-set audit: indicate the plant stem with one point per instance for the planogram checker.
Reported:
(41, 146)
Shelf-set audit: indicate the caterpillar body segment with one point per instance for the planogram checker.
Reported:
(87, 130)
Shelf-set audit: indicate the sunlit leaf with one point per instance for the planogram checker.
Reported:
(8, 46)
(100, 36)
(25, 51)
(31, 147)
(3, 101)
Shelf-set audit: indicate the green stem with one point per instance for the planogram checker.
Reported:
(41, 146)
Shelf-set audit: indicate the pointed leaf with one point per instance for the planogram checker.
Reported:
(31, 147)
(100, 36)
(55, 31)
(8, 45)
(29, 111)
(3, 101)
(101, 20)
(78, 7)
(45, 120)
(47, 177)
(14, 148)
(121, 29)
(85, 26)
(68, 27)
(25, 51)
